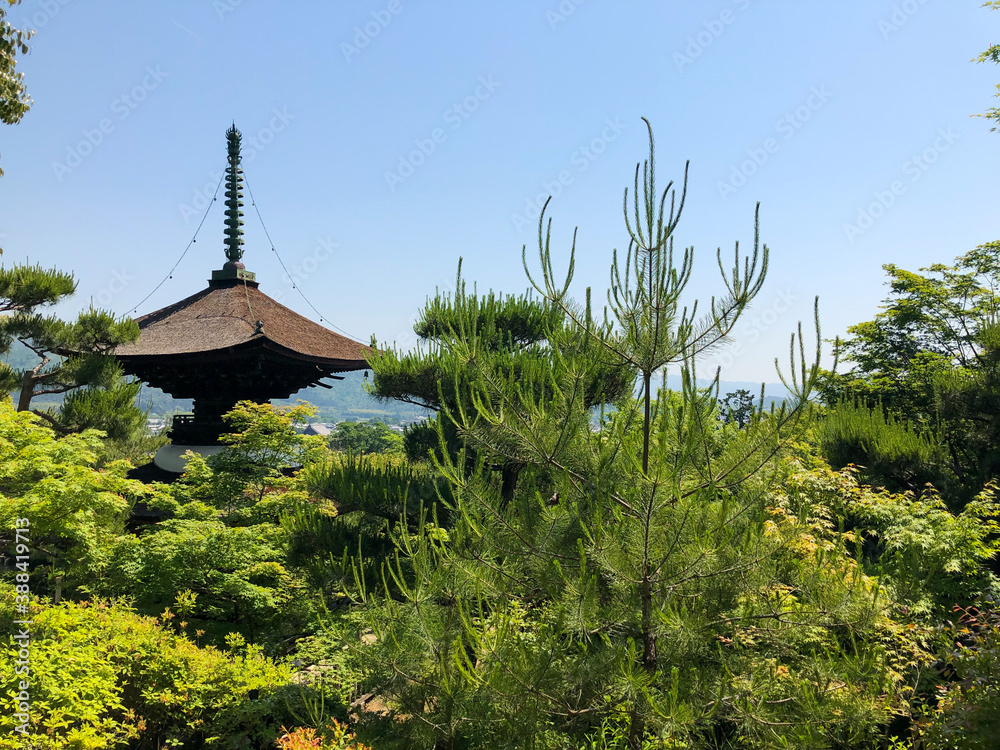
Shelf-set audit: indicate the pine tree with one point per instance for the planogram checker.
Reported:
(737, 407)
(23, 290)
(519, 336)
(71, 355)
(647, 580)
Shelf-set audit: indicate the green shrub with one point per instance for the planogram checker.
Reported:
(366, 437)
(238, 573)
(74, 508)
(101, 676)
(929, 557)
(891, 454)
(967, 713)
(357, 500)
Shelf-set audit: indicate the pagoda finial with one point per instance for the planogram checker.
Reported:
(234, 198)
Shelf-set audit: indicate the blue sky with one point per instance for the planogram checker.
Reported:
(388, 138)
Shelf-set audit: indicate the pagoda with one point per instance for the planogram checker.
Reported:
(230, 342)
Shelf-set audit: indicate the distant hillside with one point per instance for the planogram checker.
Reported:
(20, 357)
(774, 393)
(347, 400)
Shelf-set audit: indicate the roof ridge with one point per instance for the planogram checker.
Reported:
(219, 318)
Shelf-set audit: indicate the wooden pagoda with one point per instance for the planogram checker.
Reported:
(231, 342)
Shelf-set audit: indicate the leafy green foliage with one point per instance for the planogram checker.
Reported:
(357, 501)
(102, 676)
(75, 509)
(250, 480)
(366, 437)
(237, 574)
(224, 542)
(930, 320)
(966, 714)
(931, 357)
(335, 657)
(14, 99)
(968, 402)
(929, 558)
(643, 584)
(890, 453)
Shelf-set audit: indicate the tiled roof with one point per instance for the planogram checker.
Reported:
(226, 315)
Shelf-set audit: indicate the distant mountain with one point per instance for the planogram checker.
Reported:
(771, 390)
(347, 400)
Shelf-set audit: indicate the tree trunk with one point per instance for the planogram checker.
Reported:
(646, 378)
(637, 728)
(508, 474)
(637, 724)
(27, 391)
(648, 639)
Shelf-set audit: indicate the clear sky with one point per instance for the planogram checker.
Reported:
(385, 139)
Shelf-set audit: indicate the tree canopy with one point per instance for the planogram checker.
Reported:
(68, 357)
(992, 55)
(627, 554)
(929, 360)
(14, 99)
(366, 437)
(520, 339)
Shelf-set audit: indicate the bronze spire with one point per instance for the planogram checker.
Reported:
(234, 198)
(233, 268)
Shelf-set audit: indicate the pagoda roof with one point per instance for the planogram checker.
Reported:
(233, 315)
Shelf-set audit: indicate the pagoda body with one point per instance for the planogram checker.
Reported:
(231, 342)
